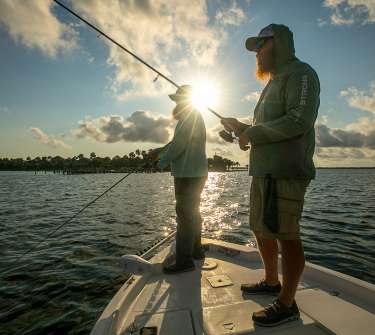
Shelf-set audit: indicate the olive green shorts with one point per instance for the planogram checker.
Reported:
(290, 198)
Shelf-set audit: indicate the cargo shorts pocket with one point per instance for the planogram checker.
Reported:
(289, 214)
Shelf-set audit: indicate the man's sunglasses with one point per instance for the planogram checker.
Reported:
(261, 42)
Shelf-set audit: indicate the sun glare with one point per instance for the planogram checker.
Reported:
(205, 94)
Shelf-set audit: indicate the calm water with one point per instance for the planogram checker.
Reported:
(63, 287)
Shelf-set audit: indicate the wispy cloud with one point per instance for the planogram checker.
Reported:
(361, 99)
(160, 31)
(4, 110)
(232, 15)
(344, 157)
(163, 32)
(344, 153)
(49, 140)
(252, 96)
(346, 12)
(34, 25)
(141, 126)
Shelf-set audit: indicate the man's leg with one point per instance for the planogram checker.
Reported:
(293, 263)
(284, 308)
(268, 247)
(290, 204)
(185, 232)
(197, 225)
(268, 250)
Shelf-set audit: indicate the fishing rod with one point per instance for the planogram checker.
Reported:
(127, 51)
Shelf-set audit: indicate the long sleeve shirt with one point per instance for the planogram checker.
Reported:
(186, 153)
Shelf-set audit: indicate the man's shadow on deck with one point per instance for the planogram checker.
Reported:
(178, 295)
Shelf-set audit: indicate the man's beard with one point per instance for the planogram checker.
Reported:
(264, 67)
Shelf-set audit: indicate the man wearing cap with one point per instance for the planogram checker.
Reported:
(186, 154)
(282, 142)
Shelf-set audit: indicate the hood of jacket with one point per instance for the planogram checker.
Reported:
(284, 51)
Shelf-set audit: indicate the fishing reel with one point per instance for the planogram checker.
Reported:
(227, 136)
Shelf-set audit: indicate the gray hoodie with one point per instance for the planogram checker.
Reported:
(282, 137)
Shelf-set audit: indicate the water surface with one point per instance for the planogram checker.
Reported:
(64, 286)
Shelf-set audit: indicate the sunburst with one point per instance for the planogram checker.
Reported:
(205, 95)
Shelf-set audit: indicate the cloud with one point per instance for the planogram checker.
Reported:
(162, 32)
(322, 119)
(322, 22)
(346, 12)
(360, 134)
(4, 110)
(212, 135)
(361, 99)
(141, 126)
(343, 153)
(252, 96)
(222, 152)
(354, 143)
(34, 25)
(159, 31)
(344, 157)
(327, 137)
(357, 134)
(47, 139)
(364, 124)
(232, 15)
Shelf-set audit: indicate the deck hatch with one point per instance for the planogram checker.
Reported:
(219, 281)
(161, 323)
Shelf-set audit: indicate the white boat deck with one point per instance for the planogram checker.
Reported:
(188, 303)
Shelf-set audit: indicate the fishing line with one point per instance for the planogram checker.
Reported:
(67, 221)
(159, 74)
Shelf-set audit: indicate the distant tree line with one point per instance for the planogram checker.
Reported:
(134, 161)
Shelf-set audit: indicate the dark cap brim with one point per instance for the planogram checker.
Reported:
(251, 43)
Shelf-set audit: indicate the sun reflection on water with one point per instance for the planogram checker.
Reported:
(224, 208)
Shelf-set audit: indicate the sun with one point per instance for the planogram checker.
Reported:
(204, 95)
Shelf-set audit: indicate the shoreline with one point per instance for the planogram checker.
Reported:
(74, 172)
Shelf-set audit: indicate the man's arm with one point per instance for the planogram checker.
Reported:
(182, 136)
(154, 154)
(302, 101)
(232, 124)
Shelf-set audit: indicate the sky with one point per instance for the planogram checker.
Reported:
(64, 90)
